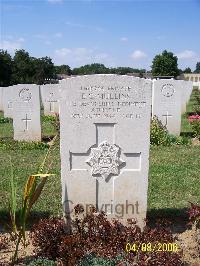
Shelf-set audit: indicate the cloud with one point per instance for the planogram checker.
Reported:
(12, 45)
(124, 39)
(40, 36)
(161, 37)
(58, 35)
(78, 25)
(138, 54)
(48, 42)
(187, 54)
(55, 1)
(80, 56)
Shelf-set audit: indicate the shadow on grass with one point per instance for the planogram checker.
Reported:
(33, 218)
(46, 139)
(178, 218)
(187, 134)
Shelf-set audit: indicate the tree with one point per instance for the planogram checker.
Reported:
(91, 69)
(22, 68)
(43, 69)
(5, 68)
(187, 70)
(63, 69)
(165, 64)
(197, 70)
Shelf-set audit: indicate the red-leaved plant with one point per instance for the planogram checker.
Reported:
(95, 234)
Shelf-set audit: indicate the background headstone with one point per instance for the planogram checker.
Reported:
(8, 98)
(50, 98)
(26, 112)
(105, 125)
(1, 98)
(166, 97)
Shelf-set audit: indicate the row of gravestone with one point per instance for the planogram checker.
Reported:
(22, 103)
(104, 135)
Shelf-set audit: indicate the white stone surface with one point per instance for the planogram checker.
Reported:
(1, 98)
(189, 86)
(183, 85)
(8, 101)
(26, 112)
(167, 99)
(105, 138)
(50, 98)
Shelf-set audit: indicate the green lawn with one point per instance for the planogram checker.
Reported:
(173, 175)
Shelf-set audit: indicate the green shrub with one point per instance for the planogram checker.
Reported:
(160, 136)
(196, 128)
(4, 120)
(158, 133)
(178, 140)
(41, 262)
(48, 118)
(93, 260)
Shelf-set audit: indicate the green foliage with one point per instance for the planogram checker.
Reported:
(126, 70)
(22, 145)
(63, 69)
(158, 133)
(91, 69)
(41, 262)
(22, 68)
(48, 118)
(32, 191)
(197, 70)
(196, 103)
(101, 69)
(93, 260)
(196, 128)
(43, 69)
(4, 120)
(160, 136)
(187, 70)
(5, 68)
(165, 64)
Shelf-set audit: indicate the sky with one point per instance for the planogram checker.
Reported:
(114, 33)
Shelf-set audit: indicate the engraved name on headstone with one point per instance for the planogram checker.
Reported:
(105, 124)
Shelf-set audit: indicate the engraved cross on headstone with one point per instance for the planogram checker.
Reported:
(166, 116)
(105, 163)
(26, 120)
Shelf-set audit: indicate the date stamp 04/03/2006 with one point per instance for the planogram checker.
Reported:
(152, 247)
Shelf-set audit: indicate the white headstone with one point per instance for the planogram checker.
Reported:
(1, 98)
(50, 98)
(166, 104)
(105, 138)
(187, 88)
(183, 85)
(26, 112)
(8, 101)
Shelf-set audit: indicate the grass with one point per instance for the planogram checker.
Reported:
(190, 108)
(173, 175)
